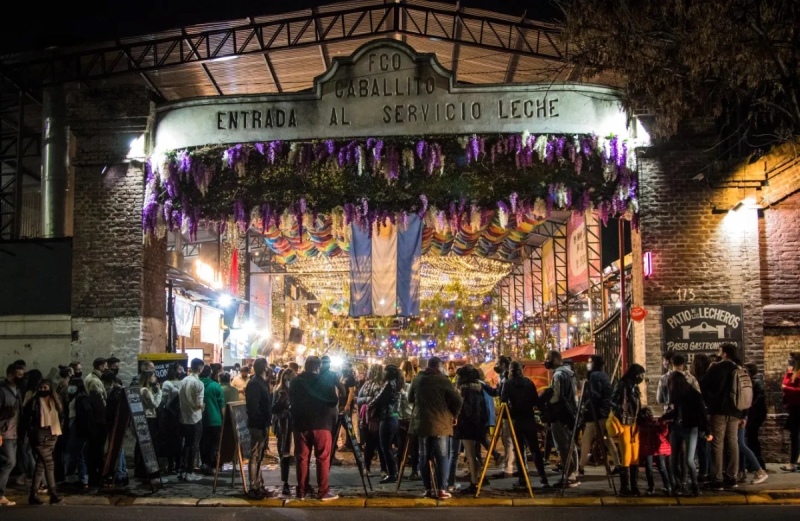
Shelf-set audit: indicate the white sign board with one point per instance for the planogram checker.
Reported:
(386, 89)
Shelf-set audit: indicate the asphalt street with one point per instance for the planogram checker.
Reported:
(93, 513)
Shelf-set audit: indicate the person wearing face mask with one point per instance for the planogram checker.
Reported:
(151, 396)
(41, 411)
(77, 369)
(113, 366)
(598, 406)
(626, 401)
(563, 407)
(80, 425)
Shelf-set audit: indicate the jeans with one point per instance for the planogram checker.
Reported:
(43, 447)
(122, 466)
(372, 441)
(527, 436)
(703, 455)
(191, 435)
(75, 456)
(747, 460)
(258, 442)
(679, 436)
(320, 441)
(388, 434)
(588, 438)
(562, 436)
(751, 436)
(438, 448)
(455, 451)
(8, 459)
(725, 431)
(663, 469)
(794, 433)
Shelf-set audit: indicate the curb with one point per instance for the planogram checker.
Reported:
(767, 497)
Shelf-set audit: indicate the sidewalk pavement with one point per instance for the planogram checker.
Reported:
(781, 488)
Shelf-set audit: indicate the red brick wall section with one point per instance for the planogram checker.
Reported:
(711, 257)
(780, 252)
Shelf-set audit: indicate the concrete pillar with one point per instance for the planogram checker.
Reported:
(54, 162)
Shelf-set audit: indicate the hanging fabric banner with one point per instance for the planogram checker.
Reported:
(385, 269)
(184, 316)
(209, 326)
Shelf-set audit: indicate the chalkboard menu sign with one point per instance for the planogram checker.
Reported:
(234, 443)
(131, 412)
(141, 429)
(359, 456)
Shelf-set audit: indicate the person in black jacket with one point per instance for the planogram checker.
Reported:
(687, 413)
(314, 408)
(521, 396)
(259, 416)
(596, 410)
(386, 407)
(282, 423)
(757, 414)
(471, 425)
(626, 402)
(80, 426)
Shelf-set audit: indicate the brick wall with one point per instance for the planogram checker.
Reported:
(118, 302)
(713, 258)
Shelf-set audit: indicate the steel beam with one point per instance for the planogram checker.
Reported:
(313, 29)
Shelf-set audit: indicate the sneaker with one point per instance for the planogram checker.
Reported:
(286, 490)
(470, 490)
(388, 479)
(193, 477)
(715, 486)
(428, 494)
(761, 477)
(742, 477)
(56, 500)
(443, 494)
(730, 483)
(789, 468)
(329, 496)
(570, 483)
(5, 502)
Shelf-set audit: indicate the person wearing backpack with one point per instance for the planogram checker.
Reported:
(724, 385)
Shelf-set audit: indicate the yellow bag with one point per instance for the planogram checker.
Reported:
(613, 425)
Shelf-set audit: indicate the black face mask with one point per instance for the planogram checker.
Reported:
(639, 379)
(115, 371)
(43, 394)
(77, 374)
(548, 364)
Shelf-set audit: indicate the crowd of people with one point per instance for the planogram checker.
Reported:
(54, 433)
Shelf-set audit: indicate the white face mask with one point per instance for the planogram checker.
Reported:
(589, 366)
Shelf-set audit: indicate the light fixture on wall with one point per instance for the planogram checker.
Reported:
(647, 263)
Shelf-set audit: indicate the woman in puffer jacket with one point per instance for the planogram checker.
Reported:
(386, 407)
(471, 425)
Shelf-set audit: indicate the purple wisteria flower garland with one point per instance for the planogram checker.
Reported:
(374, 179)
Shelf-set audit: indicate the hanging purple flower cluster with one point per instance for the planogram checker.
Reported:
(180, 195)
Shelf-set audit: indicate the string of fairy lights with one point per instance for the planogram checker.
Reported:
(328, 279)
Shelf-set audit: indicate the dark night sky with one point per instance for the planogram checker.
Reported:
(81, 21)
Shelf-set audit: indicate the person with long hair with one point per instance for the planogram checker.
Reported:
(385, 406)
(151, 396)
(406, 411)
(370, 430)
(688, 417)
(42, 410)
(626, 401)
(791, 400)
(282, 418)
(80, 425)
(471, 424)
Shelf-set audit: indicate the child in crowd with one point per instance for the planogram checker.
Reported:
(654, 444)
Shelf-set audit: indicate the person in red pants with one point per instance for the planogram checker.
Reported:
(314, 409)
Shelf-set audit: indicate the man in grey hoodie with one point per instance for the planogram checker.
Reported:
(564, 407)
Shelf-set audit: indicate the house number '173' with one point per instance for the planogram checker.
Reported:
(685, 294)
